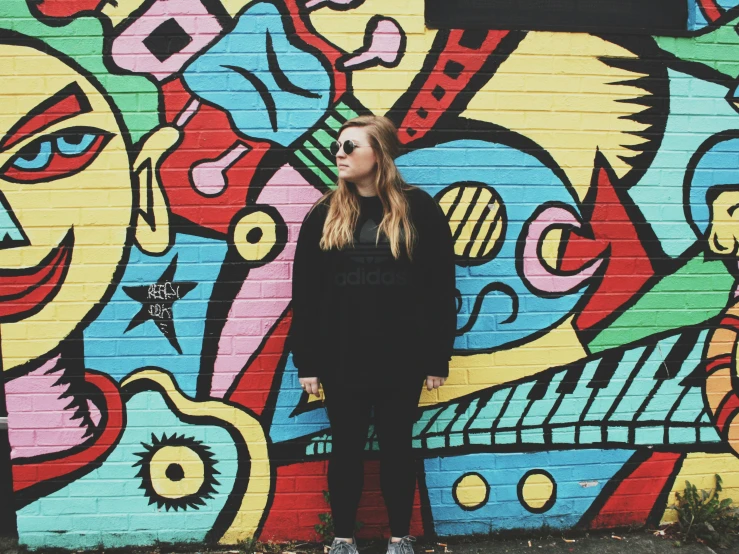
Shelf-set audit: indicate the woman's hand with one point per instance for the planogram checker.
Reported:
(434, 382)
(310, 385)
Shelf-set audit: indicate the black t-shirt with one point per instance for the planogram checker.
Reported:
(361, 316)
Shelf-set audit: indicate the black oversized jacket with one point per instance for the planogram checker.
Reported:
(359, 315)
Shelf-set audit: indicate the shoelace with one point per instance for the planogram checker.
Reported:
(405, 545)
(342, 547)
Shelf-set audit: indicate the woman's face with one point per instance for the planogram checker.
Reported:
(360, 166)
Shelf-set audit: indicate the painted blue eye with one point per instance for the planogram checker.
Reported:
(74, 145)
(35, 156)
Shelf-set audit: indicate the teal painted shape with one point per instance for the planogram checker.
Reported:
(573, 405)
(663, 401)
(108, 507)
(643, 383)
(541, 409)
(698, 110)
(607, 396)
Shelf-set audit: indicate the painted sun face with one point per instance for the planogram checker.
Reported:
(65, 201)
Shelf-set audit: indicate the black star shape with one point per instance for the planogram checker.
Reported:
(157, 300)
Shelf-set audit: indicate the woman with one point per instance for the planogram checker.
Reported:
(374, 314)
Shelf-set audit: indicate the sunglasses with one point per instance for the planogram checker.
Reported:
(348, 147)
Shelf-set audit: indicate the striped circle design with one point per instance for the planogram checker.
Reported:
(477, 218)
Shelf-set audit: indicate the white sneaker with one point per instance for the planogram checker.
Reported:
(403, 546)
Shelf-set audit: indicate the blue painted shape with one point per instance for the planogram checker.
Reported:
(523, 184)
(659, 193)
(503, 473)
(718, 167)
(285, 426)
(91, 505)
(669, 391)
(691, 406)
(642, 384)
(608, 395)
(274, 97)
(145, 345)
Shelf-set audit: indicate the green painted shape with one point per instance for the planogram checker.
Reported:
(693, 294)
(333, 123)
(81, 39)
(345, 111)
(316, 170)
(718, 49)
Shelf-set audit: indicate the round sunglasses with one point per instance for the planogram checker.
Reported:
(348, 147)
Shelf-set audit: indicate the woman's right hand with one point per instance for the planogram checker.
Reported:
(310, 385)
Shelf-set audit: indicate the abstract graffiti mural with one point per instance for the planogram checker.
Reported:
(157, 158)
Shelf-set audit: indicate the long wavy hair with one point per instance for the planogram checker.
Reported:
(343, 213)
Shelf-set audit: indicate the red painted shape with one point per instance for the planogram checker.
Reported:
(711, 10)
(68, 8)
(256, 381)
(719, 362)
(298, 499)
(727, 410)
(65, 108)
(436, 95)
(206, 136)
(614, 237)
(27, 474)
(636, 496)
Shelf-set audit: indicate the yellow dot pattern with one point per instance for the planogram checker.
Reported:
(471, 491)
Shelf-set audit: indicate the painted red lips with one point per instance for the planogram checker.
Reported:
(23, 292)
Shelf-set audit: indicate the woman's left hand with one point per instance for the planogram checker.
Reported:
(434, 382)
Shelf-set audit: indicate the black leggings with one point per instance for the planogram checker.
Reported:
(395, 412)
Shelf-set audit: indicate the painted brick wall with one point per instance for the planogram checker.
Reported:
(157, 159)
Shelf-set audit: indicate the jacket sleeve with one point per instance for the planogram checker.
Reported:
(440, 291)
(308, 267)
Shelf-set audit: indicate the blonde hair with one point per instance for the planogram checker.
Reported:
(338, 229)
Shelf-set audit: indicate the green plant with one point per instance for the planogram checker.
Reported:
(704, 517)
(325, 529)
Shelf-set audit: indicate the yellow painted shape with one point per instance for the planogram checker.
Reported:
(699, 468)
(186, 458)
(260, 221)
(378, 88)
(471, 492)
(463, 228)
(537, 490)
(119, 10)
(234, 7)
(470, 374)
(550, 247)
(95, 202)
(555, 90)
(723, 234)
(257, 493)
(156, 237)
(721, 343)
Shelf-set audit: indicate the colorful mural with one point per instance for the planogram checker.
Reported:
(157, 158)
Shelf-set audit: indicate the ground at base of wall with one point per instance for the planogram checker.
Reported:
(618, 542)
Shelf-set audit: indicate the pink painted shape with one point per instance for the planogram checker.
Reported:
(40, 418)
(187, 113)
(537, 274)
(267, 290)
(129, 51)
(209, 177)
(387, 39)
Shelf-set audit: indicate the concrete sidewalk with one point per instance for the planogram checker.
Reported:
(636, 542)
